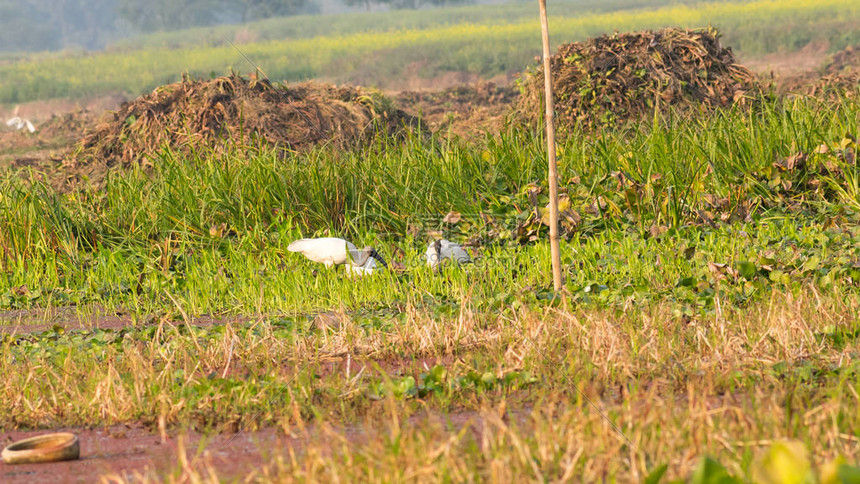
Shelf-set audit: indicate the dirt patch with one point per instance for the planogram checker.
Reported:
(840, 77)
(393, 367)
(28, 321)
(411, 75)
(129, 450)
(41, 111)
(810, 58)
(463, 110)
(411, 79)
(52, 142)
(619, 77)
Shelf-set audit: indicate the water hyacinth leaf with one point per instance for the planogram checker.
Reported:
(747, 270)
(435, 378)
(656, 475)
(778, 276)
(488, 379)
(404, 387)
(711, 471)
(848, 474)
(812, 263)
(686, 282)
(767, 263)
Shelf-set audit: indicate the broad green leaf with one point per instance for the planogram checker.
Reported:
(712, 472)
(747, 270)
(656, 475)
(812, 263)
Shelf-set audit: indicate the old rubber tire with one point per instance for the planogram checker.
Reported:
(43, 448)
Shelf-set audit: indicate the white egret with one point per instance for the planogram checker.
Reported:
(439, 250)
(20, 123)
(335, 251)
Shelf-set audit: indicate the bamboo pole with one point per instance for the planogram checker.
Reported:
(550, 146)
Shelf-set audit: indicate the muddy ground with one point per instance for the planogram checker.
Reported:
(130, 451)
(24, 321)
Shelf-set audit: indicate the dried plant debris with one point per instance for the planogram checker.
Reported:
(233, 110)
(832, 87)
(462, 110)
(845, 61)
(838, 79)
(613, 78)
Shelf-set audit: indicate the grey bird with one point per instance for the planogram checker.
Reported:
(440, 250)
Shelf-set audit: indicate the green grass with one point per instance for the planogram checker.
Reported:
(486, 44)
(641, 195)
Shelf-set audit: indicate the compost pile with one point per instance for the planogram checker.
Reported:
(67, 126)
(846, 61)
(840, 79)
(462, 110)
(459, 99)
(613, 78)
(832, 87)
(234, 111)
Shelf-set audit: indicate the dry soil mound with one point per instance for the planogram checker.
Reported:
(621, 76)
(237, 111)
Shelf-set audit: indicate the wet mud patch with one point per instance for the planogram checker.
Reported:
(132, 450)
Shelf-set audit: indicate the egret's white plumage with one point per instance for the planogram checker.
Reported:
(440, 250)
(20, 123)
(336, 251)
(367, 268)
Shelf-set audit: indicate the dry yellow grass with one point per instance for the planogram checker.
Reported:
(727, 385)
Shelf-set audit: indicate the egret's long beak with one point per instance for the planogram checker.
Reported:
(437, 247)
(378, 258)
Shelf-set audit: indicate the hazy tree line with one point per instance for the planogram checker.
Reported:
(402, 4)
(38, 25)
(33, 25)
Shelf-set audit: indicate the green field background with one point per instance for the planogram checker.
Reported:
(374, 49)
